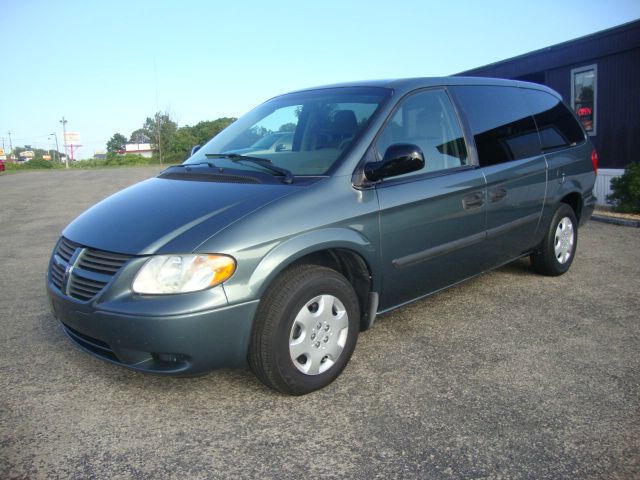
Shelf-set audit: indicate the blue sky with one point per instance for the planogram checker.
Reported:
(107, 65)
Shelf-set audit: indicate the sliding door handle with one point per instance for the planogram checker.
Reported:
(473, 200)
(497, 194)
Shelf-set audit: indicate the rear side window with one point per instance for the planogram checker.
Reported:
(501, 123)
(557, 126)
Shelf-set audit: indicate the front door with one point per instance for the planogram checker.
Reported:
(432, 222)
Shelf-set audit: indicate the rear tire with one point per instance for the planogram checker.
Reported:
(305, 330)
(555, 255)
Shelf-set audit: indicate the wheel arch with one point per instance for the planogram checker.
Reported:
(343, 250)
(574, 200)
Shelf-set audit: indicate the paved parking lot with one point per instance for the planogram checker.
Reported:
(510, 375)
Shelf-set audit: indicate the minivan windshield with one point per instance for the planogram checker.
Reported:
(305, 133)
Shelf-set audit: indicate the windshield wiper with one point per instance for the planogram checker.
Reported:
(263, 162)
(187, 165)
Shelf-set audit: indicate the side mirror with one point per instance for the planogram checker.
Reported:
(195, 149)
(400, 158)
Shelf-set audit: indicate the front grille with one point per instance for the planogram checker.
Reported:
(83, 288)
(91, 270)
(101, 262)
(57, 275)
(66, 249)
(98, 347)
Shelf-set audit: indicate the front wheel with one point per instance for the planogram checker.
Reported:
(305, 330)
(555, 255)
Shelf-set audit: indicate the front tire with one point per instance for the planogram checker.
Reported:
(305, 330)
(555, 254)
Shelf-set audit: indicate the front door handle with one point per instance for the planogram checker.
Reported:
(473, 200)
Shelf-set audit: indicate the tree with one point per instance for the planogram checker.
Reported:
(175, 143)
(206, 130)
(183, 139)
(160, 129)
(180, 147)
(625, 194)
(17, 151)
(116, 143)
(139, 136)
(287, 127)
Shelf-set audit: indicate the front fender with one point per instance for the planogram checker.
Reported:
(294, 248)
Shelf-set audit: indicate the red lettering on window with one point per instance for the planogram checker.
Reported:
(584, 111)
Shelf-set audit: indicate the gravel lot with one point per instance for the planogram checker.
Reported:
(510, 375)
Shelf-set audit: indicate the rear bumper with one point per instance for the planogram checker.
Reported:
(588, 207)
(173, 345)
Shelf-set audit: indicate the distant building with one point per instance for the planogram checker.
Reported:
(143, 149)
(599, 77)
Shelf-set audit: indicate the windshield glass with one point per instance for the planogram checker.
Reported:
(305, 132)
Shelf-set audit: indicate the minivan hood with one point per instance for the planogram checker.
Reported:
(168, 216)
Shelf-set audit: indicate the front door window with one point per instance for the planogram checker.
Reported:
(427, 120)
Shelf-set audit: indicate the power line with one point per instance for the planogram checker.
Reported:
(31, 137)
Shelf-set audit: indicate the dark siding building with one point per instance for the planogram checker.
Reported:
(599, 77)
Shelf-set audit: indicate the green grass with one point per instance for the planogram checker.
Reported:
(36, 164)
(119, 161)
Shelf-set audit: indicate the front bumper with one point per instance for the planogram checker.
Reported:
(188, 343)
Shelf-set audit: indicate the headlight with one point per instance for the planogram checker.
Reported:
(164, 274)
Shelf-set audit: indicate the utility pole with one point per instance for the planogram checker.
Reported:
(158, 119)
(10, 144)
(64, 133)
(57, 148)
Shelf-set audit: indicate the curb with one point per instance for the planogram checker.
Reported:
(616, 221)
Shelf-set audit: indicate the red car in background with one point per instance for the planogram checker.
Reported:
(1, 165)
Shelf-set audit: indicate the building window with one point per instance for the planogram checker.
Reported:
(584, 95)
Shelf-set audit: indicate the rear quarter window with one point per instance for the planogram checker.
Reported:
(501, 123)
(557, 125)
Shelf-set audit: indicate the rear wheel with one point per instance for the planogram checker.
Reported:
(305, 330)
(555, 254)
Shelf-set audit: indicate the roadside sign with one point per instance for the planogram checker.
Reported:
(72, 138)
